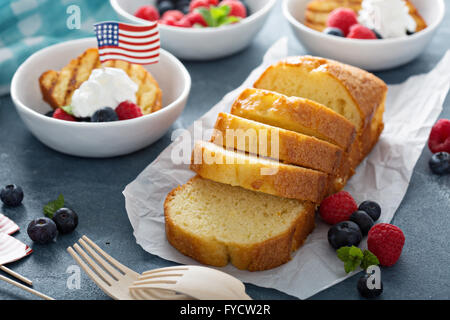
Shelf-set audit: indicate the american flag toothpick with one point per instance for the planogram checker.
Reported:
(137, 44)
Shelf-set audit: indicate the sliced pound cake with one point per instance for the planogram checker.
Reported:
(288, 146)
(213, 162)
(215, 223)
(356, 94)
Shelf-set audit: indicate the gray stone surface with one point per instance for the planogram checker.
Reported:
(93, 189)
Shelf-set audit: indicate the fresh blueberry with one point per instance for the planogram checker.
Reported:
(11, 195)
(66, 220)
(345, 233)
(440, 163)
(183, 6)
(164, 6)
(85, 119)
(42, 230)
(377, 34)
(334, 32)
(363, 220)
(105, 114)
(50, 113)
(372, 208)
(364, 289)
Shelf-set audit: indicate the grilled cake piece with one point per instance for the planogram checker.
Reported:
(317, 12)
(357, 95)
(57, 87)
(216, 223)
(290, 147)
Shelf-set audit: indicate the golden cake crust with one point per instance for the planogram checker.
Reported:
(260, 256)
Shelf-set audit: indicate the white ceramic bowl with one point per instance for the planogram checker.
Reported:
(106, 139)
(367, 54)
(205, 43)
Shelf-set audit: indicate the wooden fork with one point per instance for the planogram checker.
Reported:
(111, 276)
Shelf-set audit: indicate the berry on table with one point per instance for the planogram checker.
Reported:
(333, 32)
(440, 163)
(342, 18)
(128, 110)
(149, 13)
(66, 220)
(42, 230)
(386, 242)
(439, 139)
(359, 31)
(237, 9)
(365, 291)
(105, 114)
(337, 207)
(62, 115)
(345, 233)
(363, 220)
(11, 195)
(372, 208)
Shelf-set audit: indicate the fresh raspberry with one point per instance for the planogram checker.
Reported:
(358, 31)
(175, 14)
(149, 13)
(62, 115)
(213, 2)
(183, 23)
(337, 207)
(198, 4)
(342, 18)
(439, 140)
(386, 242)
(169, 21)
(237, 8)
(196, 17)
(128, 110)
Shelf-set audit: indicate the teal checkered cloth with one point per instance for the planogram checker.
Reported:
(29, 25)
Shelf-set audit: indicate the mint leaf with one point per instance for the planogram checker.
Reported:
(351, 256)
(206, 14)
(343, 253)
(51, 207)
(229, 20)
(369, 259)
(67, 109)
(219, 12)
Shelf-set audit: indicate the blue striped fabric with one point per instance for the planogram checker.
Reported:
(29, 25)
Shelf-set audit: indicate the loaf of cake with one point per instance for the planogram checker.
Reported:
(357, 95)
(216, 223)
(213, 162)
(257, 138)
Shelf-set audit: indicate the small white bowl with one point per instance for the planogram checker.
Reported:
(367, 54)
(205, 43)
(103, 139)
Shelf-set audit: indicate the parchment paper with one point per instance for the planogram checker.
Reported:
(411, 109)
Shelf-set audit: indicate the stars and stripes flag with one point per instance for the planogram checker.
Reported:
(12, 249)
(7, 225)
(137, 44)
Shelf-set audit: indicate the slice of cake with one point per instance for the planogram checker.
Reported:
(213, 162)
(357, 95)
(215, 223)
(264, 140)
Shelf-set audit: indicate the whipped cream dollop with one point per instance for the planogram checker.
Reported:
(390, 18)
(106, 87)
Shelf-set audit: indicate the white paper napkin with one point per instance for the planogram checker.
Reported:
(411, 109)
